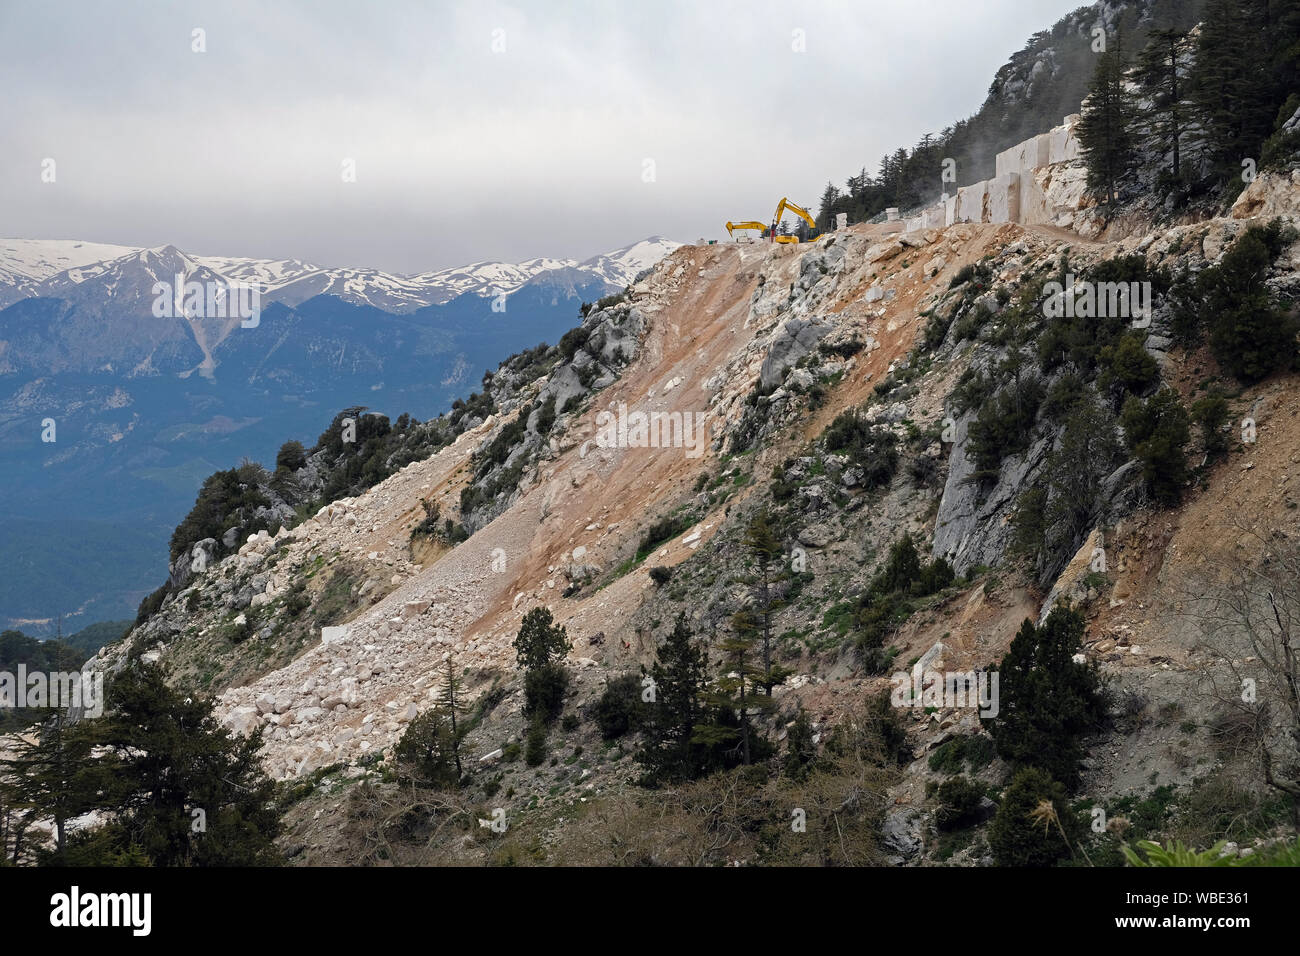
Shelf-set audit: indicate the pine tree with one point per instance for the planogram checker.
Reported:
(678, 677)
(734, 691)
(801, 749)
(1231, 83)
(763, 544)
(540, 641)
(428, 752)
(540, 647)
(828, 207)
(51, 772)
(1105, 130)
(161, 763)
(451, 706)
(43, 778)
(1033, 825)
(1161, 77)
(1076, 473)
(1046, 701)
(1157, 432)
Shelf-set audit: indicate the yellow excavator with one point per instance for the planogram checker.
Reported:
(781, 207)
(751, 224)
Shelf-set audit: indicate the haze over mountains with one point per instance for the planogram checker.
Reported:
(144, 408)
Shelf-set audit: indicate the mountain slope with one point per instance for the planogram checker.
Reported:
(714, 324)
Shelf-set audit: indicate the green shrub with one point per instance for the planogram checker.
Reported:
(1250, 334)
(291, 456)
(1033, 826)
(572, 341)
(874, 450)
(1004, 426)
(544, 690)
(1127, 366)
(619, 709)
(1157, 432)
(975, 752)
(665, 529)
(535, 744)
(1211, 413)
(959, 803)
(426, 752)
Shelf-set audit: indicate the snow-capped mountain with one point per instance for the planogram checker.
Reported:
(41, 258)
(25, 263)
(54, 268)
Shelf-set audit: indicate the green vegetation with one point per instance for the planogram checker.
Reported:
(540, 647)
(959, 803)
(53, 656)
(619, 709)
(1033, 825)
(173, 787)
(874, 450)
(1047, 702)
(973, 752)
(1222, 96)
(1106, 136)
(1157, 432)
(888, 600)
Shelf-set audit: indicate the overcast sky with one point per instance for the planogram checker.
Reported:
(464, 152)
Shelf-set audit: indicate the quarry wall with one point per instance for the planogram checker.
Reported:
(1037, 182)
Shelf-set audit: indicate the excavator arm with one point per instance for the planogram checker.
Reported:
(799, 211)
(751, 224)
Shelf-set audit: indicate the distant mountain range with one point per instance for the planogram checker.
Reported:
(144, 407)
(51, 268)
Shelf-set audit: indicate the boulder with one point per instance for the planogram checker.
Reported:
(243, 721)
(796, 339)
(901, 834)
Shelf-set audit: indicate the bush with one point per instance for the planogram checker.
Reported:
(573, 340)
(801, 747)
(884, 604)
(618, 710)
(1024, 831)
(975, 751)
(291, 456)
(1250, 334)
(544, 690)
(959, 803)
(661, 575)
(665, 529)
(151, 603)
(1157, 432)
(1004, 426)
(1066, 392)
(535, 744)
(1211, 413)
(227, 499)
(1127, 366)
(426, 752)
(874, 450)
(545, 417)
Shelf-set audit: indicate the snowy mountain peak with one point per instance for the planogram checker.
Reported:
(30, 267)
